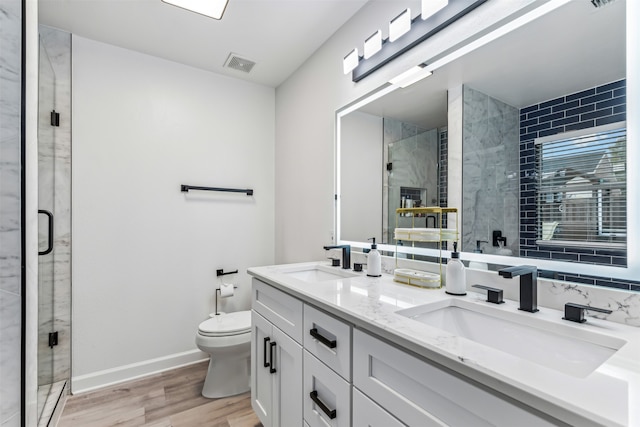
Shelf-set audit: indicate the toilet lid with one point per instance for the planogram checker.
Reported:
(227, 324)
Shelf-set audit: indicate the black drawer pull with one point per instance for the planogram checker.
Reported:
(272, 369)
(331, 413)
(264, 354)
(329, 343)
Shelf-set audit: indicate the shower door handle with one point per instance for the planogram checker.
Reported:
(50, 238)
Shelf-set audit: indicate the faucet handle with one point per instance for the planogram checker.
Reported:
(575, 312)
(494, 295)
(335, 262)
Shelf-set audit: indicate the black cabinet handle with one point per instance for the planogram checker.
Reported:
(264, 354)
(272, 369)
(50, 243)
(329, 343)
(331, 413)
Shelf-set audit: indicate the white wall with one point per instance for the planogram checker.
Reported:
(144, 253)
(361, 172)
(305, 116)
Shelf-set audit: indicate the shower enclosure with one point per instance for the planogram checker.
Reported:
(54, 273)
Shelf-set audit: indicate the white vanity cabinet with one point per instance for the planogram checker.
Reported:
(421, 394)
(276, 356)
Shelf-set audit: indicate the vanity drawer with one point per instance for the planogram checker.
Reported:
(281, 309)
(330, 393)
(366, 413)
(421, 394)
(329, 339)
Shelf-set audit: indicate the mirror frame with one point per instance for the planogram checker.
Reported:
(632, 270)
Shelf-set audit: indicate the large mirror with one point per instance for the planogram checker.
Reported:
(473, 134)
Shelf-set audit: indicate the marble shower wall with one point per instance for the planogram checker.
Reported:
(490, 177)
(54, 157)
(10, 211)
(414, 154)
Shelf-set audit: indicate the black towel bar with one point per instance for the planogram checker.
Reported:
(186, 188)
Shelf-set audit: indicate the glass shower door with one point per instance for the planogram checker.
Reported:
(46, 197)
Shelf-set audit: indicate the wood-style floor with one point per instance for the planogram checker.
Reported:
(167, 399)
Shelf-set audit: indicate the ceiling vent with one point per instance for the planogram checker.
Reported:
(240, 64)
(600, 3)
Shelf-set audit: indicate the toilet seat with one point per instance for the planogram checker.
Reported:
(228, 324)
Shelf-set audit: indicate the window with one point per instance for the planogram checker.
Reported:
(582, 188)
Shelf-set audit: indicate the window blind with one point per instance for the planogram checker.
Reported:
(582, 188)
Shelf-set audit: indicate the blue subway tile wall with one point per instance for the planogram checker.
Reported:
(444, 173)
(444, 155)
(588, 108)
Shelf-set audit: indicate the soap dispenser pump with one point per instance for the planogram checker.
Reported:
(456, 275)
(374, 261)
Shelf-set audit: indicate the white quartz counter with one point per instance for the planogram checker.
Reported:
(608, 396)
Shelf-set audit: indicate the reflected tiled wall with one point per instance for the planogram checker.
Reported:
(588, 108)
(10, 212)
(490, 171)
(415, 165)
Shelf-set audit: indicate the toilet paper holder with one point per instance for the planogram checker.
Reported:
(218, 291)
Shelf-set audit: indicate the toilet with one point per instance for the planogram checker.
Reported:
(226, 337)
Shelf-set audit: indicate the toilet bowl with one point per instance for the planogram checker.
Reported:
(227, 340)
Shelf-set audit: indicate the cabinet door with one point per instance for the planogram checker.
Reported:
(279, 308)
(332, 393)
(287, 390)
(261, 378)
(366, 413)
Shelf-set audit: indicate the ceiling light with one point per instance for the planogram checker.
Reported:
(373, 44)
(211, 8)
(350, 61)
(429, 7)
(400, 25)
(411, 76)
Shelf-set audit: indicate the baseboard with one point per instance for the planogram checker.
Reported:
(100, 379)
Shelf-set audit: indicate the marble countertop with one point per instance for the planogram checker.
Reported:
(609, 396)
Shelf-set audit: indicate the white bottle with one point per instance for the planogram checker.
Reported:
(456, 275)
(374, 261)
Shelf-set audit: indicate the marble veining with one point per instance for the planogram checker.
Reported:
(606, 396)
(491, 171)
(413, 151)
(10, 211)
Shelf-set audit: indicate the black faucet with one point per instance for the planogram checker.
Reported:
(346, 254)
(528, 285)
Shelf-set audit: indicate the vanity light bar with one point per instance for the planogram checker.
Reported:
(430, 7)
(400, 25)
(373, 44)
(350, 62)
(407, 33)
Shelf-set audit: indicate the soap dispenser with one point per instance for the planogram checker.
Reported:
(456, 275)
(374, 261)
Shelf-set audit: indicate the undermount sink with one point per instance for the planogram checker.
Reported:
(317, 273)
(565, 348)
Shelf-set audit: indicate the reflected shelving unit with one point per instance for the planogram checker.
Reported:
(409, 230)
